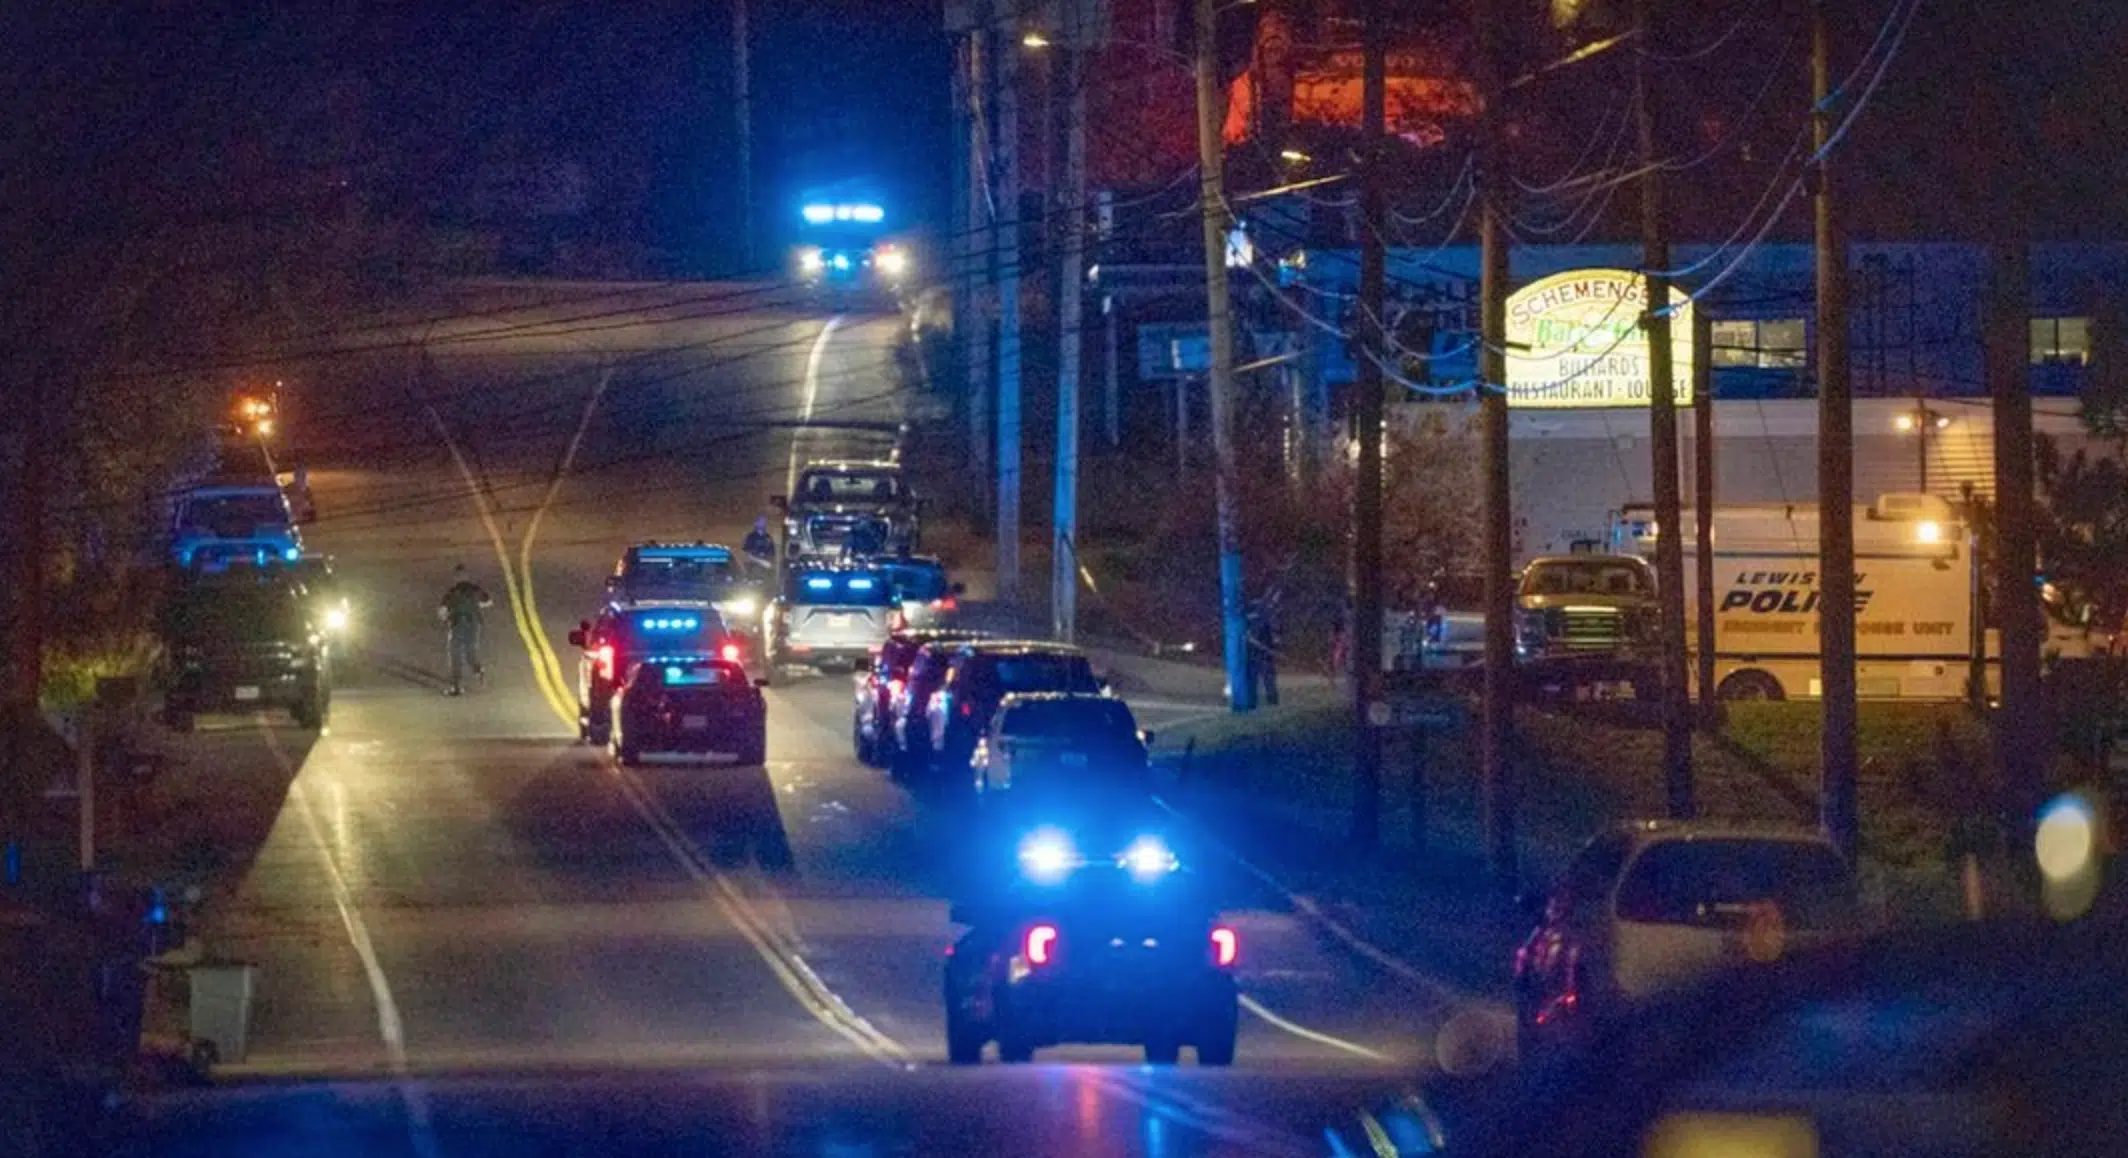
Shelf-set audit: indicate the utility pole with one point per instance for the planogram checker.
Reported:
(1496, 774)
(1366, 625)
(2022, 747)
(1662, 436)
(1006, 141)
(1241, 695)
(743, 116)
(1113, 389)
(960, 217)
(1836, 464)
(1071, 217)
(1703, 513)
(981, 265)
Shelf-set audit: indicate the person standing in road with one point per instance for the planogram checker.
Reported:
(461, 612)
(760, 545)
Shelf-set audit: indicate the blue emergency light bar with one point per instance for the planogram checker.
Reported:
(819, 583)
(713, 554)
(860, 584)
(670, 622)
(820, 213)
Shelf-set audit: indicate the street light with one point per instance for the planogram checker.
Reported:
(1034, 39)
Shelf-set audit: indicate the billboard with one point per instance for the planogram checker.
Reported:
(1574, 341)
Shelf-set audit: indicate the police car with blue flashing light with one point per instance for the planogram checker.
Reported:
(691, 706)
(1099, 935)
(644, 631)
(831, 617)
(843, 248)
(708, 572)
(229, 521)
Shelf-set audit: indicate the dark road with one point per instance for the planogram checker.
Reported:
(456, 887)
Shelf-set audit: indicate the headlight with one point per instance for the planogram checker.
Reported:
(743, 607)
(1149, 858)
(336, 619)
(809, 260)
(892, 262)
(1047, 855)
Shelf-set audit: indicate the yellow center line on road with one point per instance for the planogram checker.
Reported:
(784, 961)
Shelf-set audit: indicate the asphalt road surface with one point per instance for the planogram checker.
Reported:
(455, 887)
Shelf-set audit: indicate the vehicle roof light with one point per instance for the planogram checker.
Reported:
(819, 214)
(860, 584)
(819, 583)
(1149, 858)
(1047, 855)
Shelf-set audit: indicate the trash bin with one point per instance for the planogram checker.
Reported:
(221, 1005)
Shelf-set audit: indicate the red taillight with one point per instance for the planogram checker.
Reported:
(605, 661)
(1226, 945)
(947, 604)
(1041, 944)
(730, 652)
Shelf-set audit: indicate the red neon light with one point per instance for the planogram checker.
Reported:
(1041, 944)
(1226, 945)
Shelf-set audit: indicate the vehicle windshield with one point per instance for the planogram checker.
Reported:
(1578, 577)
(678, 573)
(841, 589)
(1724, 883)
(849, 486)
(1044, 673)
(233, 516)
(920, 581)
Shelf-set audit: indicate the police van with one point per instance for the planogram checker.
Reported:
(1918, 586)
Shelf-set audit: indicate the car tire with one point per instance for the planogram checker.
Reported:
(964, 1039)
(866, 754)
(1013, 1049)
(755, 752)
(1163, 1052)
(1748, 687)
(308, 714)
(625, 754)
(1216, 1046)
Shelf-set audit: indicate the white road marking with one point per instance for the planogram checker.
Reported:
(420, 1132)
(813, 359)
(1301, 1031)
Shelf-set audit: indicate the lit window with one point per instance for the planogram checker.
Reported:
(1777, 344)
(2061, 341)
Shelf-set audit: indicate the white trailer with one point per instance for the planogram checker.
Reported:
(1916, 598)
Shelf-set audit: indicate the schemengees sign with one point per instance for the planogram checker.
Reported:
(1574, 341)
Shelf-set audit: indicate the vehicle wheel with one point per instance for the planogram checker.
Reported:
(1014, 1050)
(1218, 1046)
(964, 1039)
(755, 753)
(1747, 686)
(626, 754)
(863, 747)
(1165, 1052)
(308, 714)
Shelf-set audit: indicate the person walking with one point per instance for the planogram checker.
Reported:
(461, 611)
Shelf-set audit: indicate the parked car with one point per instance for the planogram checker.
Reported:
(928, 597)
(1065, 739)
(693, 706)
(1654, 903)
(244, 642)
(908, 712)
(872, 732)
(1585, 606)
(977, 680)
(830, 617)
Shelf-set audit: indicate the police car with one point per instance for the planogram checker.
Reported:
(1100, 936)
(709, 572)
(646, 631)
(693, 706)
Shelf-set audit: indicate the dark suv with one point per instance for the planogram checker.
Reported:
(242, 643)
(977, 680)
(872, 731)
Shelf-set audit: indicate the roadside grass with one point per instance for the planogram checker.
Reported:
(1923, 766)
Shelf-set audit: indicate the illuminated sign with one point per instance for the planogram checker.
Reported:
(1574, 341)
